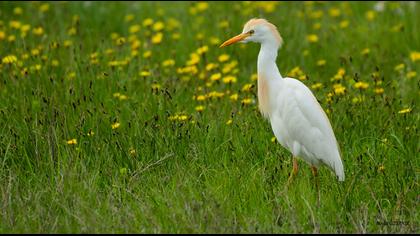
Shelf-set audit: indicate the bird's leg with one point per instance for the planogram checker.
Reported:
(294, 172)
(315, 174)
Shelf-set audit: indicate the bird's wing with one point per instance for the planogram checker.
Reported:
(304, 125)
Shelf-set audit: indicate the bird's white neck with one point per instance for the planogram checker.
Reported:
(267, 72)
(267, 59)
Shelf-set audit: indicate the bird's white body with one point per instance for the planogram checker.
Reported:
(297, 119)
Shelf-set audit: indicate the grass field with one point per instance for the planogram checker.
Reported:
(128, 118)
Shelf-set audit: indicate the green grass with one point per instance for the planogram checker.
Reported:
(200, 174)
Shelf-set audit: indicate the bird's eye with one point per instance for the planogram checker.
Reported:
(251, 31)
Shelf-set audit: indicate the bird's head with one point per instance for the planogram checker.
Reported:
(258, 31)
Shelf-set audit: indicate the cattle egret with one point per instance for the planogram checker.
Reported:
(297, 119)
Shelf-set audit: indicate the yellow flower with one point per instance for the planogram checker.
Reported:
(247, 87)
(344, 24)
(399, 67)
(365, 51)
(370, 15)
(129, 18)
(358, 99)
(147, 54)
(414, 56)
(246, 101)
(223, 57)
(334, 12)
(202, 6)
(35, 52)
(17, 11)
(176, 36)
(339, 89)
(72, 141)
(44, 7)
(14, 24)
(200, 98)
(72, 75)
(90, 133)
(229, 122)
(199, 108)
(9, 59)
(234, 97)
(202, 49)
(215, 77)
(11, 38)
(273, 139)
(379, 90)
(2, 35)
(295, 72)
(194, 59)
(155, 86)
(115, 125)
(316, 86)
(123, 97)
(144, 73)
(254, 77)
(147, 22)
(72, 31)
(157, 38)
(38, 31)
(67, 43)
(316, 14)
(361, 85)
(411, 74)
(178, 117)
(132, 151)
(403, 111)
(312, 38)
(120, 41)
(25, 28)
(158, 26)
(321, 63)
(211, 66)
(381, 168)
(169, 62)
(214, 41)
(134, 29)
(55, 63)
(229, 79)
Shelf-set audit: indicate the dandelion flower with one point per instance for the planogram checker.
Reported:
(339, 89)
(9, 59)
(246, 101)
(229, 122)
(378, 90)
(234, 97)
(321, 62)
(361, 85)
(365, 51)
(399, 67)
(215, 77)
(370, 15)
(147, 22)
(414, 56)
(115, 125)
(72, 142)
(403, 111)
(223, 58)
(158, 26)
(38, 31)
(229, 79)
(312, 38)
(411, 74)
(199, 108)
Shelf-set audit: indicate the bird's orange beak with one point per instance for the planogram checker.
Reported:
(235, 39)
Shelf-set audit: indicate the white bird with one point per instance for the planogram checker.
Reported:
(298, 121)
